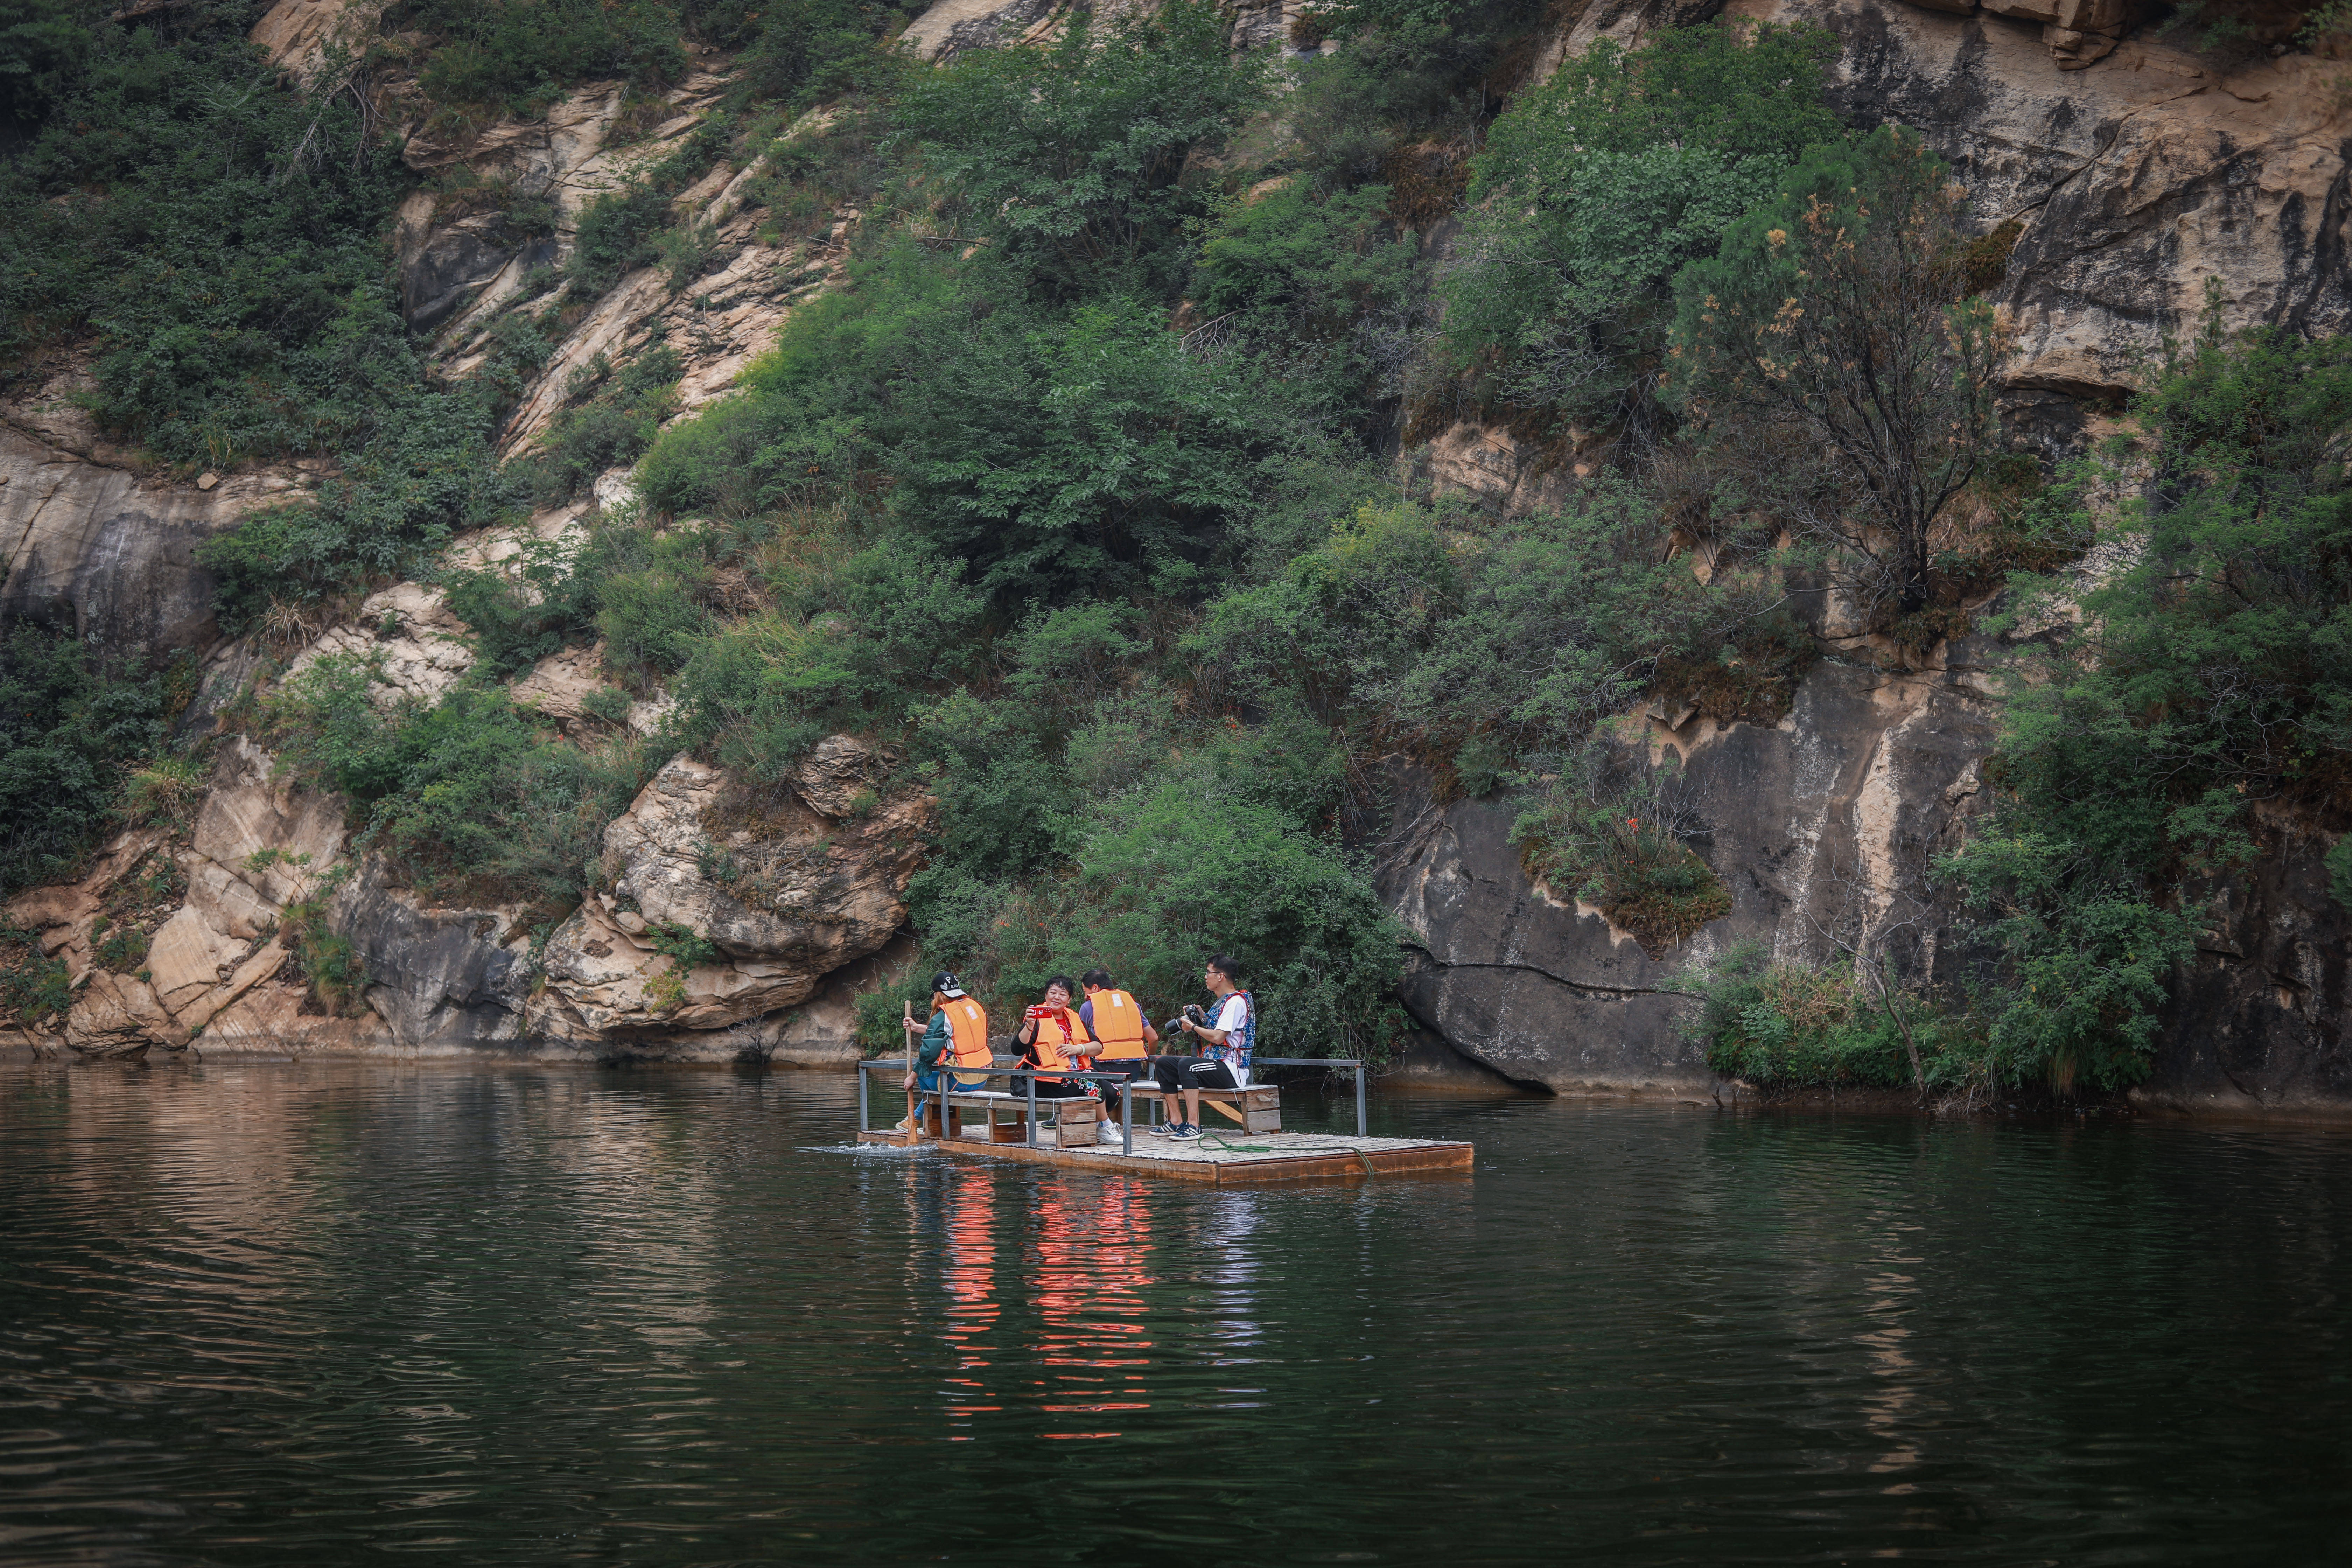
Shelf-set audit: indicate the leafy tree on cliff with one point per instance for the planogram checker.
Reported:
(2208, 673)
(1843, 380)
(1595, 186)
(1066, 154)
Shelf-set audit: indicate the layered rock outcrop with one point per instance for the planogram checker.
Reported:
(2136, 183)
(728, 904)
(774, 900)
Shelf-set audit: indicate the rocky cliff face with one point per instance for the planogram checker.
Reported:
(2136, 171)
(2134, 180)
(177, 934)
(1821, 827)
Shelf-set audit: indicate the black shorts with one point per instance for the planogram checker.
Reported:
(1191, 1072)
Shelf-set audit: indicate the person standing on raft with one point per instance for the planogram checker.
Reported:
(1122, 1034)
(958, 1031)
(1051, 1034)
(1227, 1044)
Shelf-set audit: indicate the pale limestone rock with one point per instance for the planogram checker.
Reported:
(227, 902)
(2137, 180)
(94, 547)
(115, 1016)
(297, 34)
(187, 958)
(560, 685)
(789, 897)
(246, 974)
(952, 26)
(271, 1017)
(423, 645)
(834, 773)
(248, 811)
(63, 914)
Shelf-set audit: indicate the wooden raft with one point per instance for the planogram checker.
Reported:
(1269, 1158)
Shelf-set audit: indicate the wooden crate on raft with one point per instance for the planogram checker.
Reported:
(1258, 1109)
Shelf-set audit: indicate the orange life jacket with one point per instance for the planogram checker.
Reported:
(1056, 1045)
(1118, 1026)
(967, 1035)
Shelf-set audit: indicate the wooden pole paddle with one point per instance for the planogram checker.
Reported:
(914, 1114)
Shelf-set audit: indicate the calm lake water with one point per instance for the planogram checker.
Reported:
(330, 1313)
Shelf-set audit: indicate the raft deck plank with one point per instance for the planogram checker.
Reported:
(1286, 1157)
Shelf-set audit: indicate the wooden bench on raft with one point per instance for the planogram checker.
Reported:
(1005, 1118)
(1259, 1107)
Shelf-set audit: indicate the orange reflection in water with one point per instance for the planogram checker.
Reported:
(968, 1265)
(1093, 1254)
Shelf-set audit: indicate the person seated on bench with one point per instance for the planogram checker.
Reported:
(958, 1030)
(1050, 1035)
(1121, 1033)
(1226, 1045)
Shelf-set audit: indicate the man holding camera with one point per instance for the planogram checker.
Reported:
(1227, 1042)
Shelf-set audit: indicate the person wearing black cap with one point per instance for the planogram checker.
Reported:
(958, 1032)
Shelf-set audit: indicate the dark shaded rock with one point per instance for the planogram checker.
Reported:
(1820, 828)
(439, 977)
(2258, 1016)
(94, 551)
(440, 275)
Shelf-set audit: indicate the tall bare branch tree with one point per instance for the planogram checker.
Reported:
(1830, 356)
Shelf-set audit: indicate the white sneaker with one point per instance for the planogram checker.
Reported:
(1108, 1132)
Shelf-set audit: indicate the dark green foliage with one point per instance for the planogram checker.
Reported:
(43, 43)
(219, 233)
(1613, 830)
(1405, 69)
(1596, 185)
(518, 55)
(1053, 449)
(2210, 671)
(855, 652)
(429, 472)
(531, 606)
(33, 989)
(1066, 154)
(1412, 624)
(616, 236)
(617, 232)
(809, 52)
(469, 795)
(1296, 277)
(1167, 875)
(68, 737)
(1795, 1025)
(680, 944)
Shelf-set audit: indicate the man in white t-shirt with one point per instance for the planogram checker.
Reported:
(1228, 1038)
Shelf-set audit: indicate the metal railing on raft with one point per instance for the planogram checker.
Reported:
(1126, 1101)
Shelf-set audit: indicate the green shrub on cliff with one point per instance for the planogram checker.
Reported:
(1054, 450)
(217, 234)
(1067, 154)
(1843, 380)
(1787, 1025)
(518, 55)
(1597, 184)
(68, 739)
(473, 795)
(2208, 675)
(1449, 630)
